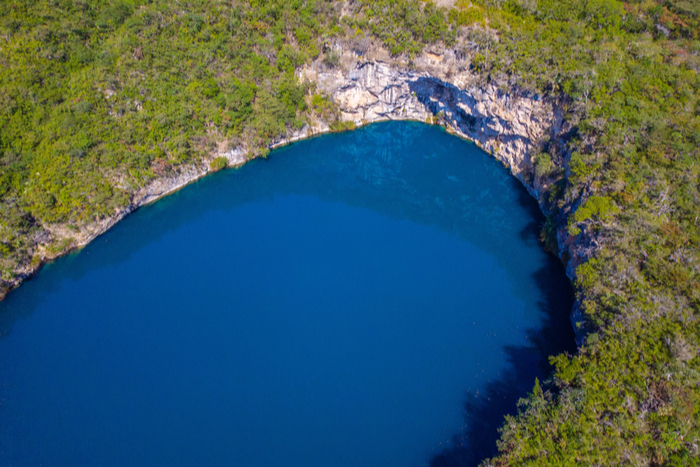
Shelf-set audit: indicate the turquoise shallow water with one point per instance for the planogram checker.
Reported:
(374, 298)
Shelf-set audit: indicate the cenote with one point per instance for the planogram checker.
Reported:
(376, 298)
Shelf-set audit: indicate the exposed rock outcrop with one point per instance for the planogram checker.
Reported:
(506, 125)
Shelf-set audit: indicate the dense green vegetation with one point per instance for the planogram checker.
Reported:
(97, 98)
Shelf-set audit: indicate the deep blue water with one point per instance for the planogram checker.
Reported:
(374, 298)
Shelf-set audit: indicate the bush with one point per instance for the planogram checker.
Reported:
(218, 164)
(543, 164)
(331, 59)
(338, 126)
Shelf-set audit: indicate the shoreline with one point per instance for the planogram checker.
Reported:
(104, 225)
(506, 127)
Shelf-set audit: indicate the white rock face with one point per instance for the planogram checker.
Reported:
(235, 157)
(507, 126)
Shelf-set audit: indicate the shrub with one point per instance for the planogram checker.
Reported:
(597, 209)
(218, 164)
(543, 164)
(338, 126)
(331, 59)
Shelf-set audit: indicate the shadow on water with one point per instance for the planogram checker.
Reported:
(484, 411)
(404, 170)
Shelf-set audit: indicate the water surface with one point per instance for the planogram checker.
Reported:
(373, 298)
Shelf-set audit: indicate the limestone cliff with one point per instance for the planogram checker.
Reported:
(509, 126)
